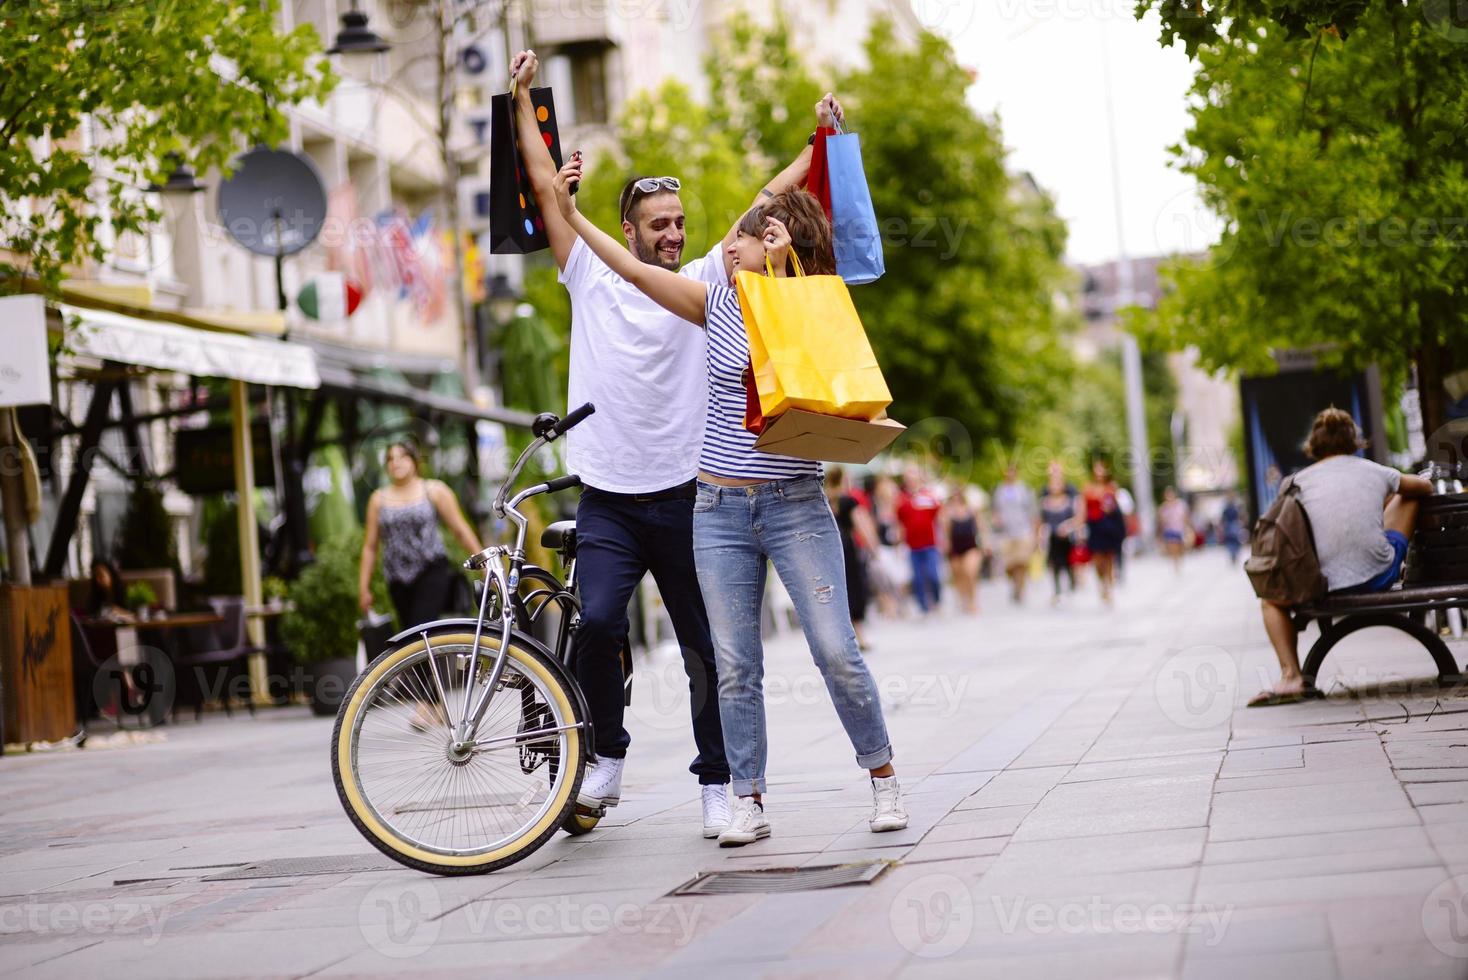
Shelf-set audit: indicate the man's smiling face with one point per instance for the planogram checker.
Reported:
(654, 230)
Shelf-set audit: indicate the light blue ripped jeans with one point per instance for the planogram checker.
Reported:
(788, 522)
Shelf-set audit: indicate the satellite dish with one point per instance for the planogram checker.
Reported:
(275, 204)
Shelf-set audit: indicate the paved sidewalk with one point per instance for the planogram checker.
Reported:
(1089, 797)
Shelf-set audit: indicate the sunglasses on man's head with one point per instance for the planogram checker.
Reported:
(651, 185)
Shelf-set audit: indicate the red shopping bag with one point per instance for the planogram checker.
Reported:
(754, 419)
(818, 181)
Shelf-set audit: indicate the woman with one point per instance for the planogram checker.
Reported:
(1058, 515)
(405, 516)
(755, 508)
(891, 572)
(858, 538)
(961, 531)
(1173, 525)
(105, 598)
(1105, 525)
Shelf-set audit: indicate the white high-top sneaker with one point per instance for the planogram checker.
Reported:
(715, 810)
(602, 784)
(887, 811)
(747, 825)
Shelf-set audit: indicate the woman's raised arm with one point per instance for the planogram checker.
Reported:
(683, 297)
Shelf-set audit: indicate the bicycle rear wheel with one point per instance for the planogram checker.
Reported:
(430, 808)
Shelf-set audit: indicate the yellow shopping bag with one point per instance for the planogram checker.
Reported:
(807, 346)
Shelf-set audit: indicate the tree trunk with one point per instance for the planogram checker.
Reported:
(1432, 366)
(12, 495)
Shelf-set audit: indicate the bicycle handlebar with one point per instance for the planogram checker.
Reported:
(562, 483)
(571, 421)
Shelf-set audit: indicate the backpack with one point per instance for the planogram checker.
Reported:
(1283, 566)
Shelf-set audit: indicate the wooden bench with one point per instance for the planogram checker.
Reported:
(1403, 609)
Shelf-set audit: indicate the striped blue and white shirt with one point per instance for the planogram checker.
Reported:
(728, 447)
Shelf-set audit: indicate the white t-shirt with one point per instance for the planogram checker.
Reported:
(644, 370)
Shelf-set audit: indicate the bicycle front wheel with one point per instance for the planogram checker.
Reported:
(457, 812)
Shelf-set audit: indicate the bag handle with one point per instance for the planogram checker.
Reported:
(770, 266)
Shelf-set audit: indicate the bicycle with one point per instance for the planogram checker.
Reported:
(433, 766)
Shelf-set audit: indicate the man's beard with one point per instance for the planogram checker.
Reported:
(650, 254)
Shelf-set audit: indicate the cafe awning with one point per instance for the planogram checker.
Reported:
(201, 353)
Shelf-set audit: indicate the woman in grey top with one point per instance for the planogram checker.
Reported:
(1361, 515)
(404, 517)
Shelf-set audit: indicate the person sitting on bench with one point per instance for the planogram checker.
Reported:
(1361, 515)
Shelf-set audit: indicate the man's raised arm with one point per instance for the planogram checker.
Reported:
(540, 168)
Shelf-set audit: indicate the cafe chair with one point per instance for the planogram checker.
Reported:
(217, 655)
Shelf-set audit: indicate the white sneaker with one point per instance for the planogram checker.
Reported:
(747, 825)
(887, 811)
(715, 811)
(602, 784)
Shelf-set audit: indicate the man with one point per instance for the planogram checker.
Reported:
(638, 455)
(917, 511)
(1361, 515)
(1016, 525)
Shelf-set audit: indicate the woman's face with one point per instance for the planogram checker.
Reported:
(1098, 471)
(747, 252)
(102, 577)
(400, 466)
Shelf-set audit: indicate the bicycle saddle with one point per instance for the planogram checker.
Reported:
(560, 536)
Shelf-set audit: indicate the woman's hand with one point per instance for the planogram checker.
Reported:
(828, 112)
(522, 70)
(777, 244)
(364, 598)
(572, 171)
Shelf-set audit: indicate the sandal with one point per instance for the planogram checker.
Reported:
(1268, 699)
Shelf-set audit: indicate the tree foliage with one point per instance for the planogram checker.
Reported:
(1205, 22)
(94, 95)
(1338, 169)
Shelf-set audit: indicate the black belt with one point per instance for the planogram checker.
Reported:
(683, 491)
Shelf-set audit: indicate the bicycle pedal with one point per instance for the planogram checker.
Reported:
(586, 811)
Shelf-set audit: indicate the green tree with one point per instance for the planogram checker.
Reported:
(965, 321)
(1338, 169)
(95, 95)
(1205, 22)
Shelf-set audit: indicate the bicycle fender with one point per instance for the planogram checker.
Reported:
(526, 640)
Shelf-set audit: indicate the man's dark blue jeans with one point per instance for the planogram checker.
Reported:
(619, 538)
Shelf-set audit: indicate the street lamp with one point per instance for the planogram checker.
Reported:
(357, 43)
(180, 181)
(503, 299)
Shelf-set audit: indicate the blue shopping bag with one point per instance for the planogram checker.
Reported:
(854, 232)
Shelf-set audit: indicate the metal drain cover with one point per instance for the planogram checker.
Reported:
(297, 867)
(761, 880)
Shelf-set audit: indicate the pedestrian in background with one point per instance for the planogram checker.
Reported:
(1105, 525)
(404, 517)
(891, 572)
(1015, 517)
(918, 510)
(1231, 528)
(963, 533)
(1059, 522)
(1173, 525)
(856, 527)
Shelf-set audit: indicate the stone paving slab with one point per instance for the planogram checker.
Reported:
(1089, 797)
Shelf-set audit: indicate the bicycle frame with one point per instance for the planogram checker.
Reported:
(502, 566)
